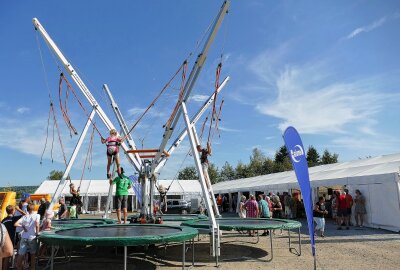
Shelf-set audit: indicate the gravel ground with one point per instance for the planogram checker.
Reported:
(347, 249)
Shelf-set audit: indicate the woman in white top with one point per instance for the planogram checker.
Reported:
(242, 207)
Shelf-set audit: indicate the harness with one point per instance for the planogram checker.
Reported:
(112, 145)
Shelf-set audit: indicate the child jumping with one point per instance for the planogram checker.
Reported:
(113, 142)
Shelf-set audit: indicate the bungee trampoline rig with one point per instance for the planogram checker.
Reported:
(146, 162)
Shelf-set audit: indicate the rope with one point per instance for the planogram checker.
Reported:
(87, 156)
(216, 85)
(63, 78)
(58, 132)
(181, 95)
(47, 136)
(64, 112)
(217, 121)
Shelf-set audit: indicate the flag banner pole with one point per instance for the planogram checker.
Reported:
(297, 155)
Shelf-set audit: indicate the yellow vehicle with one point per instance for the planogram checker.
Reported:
(6, 198)
(35, 198)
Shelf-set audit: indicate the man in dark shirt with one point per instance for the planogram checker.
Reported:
(44, 205)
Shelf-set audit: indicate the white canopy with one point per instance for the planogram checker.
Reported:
(100, 187)
(377, 178)
(346, 173)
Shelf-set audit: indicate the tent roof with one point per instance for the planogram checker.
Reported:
(101, 187)
(330, 174)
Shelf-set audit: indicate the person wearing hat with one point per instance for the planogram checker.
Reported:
(123, 184)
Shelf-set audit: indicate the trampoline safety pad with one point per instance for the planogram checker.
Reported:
(119, 235)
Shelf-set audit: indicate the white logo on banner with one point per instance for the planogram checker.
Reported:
(296, 152)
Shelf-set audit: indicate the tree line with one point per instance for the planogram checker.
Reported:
(259, 164)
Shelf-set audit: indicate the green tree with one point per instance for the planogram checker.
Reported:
(328, 158)
(281, 155)
(313, 158)
(268, 166)
(256, 162)
(213, 173)
(242, 170)
(227, 172)
(188, 173)
(55, 175)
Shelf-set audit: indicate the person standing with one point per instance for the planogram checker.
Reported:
(263, 210)
(349, 205)
(6, 247)
(123, 184)
(242, 207)
(44, 205)
(342, 211)
(286, 202)
(75, 202)
(334, 207)
(9, 222)
(319, 215)
(163, 197)
(62, 211)
(359, 208)
(30, 224)
(251, 210)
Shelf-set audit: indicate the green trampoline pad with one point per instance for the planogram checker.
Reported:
(232, 224)
(119, 235)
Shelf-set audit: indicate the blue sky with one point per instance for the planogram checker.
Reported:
(329, 68)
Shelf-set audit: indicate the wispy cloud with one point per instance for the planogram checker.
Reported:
(226, 129)
(199, 98)
(137, 111)
(23, 110)
(312, 98)
(373, 25)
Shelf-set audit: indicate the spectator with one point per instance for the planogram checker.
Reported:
(342, 211)
(62, 211)
(349, 205)
(251, 210)
(269, 202)
(242, 207)
(276, 207)
(359, 209)
(6, 247)
(9, 222)
(219, 203)
(30, 225)
(286, 201)
(319, 216)
(263, 210)
(334, 207)
(293, 206)
(44, 205)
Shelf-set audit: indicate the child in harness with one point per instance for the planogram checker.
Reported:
(113, 142)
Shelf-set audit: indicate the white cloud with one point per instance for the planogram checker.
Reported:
(199, 98)
(23, 110)
(373, 25)
(137, 112)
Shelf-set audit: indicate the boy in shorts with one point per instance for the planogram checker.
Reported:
(30, 224)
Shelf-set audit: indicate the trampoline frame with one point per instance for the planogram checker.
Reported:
(191, 234)
(290, 224)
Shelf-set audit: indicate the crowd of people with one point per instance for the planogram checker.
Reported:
(339, 207)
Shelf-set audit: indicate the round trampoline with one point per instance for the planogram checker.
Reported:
(84, 222)
(241, 224)
(119, 235)
(175, 217)
(251, 224)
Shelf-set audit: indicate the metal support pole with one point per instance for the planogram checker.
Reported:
(71, 161)
(183, 254)
(193, 252)
(52, 257)
(125, 257)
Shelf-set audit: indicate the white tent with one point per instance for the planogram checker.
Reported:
(377, 178)
(95, 192)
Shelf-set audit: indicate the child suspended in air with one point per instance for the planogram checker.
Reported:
(113, 142)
